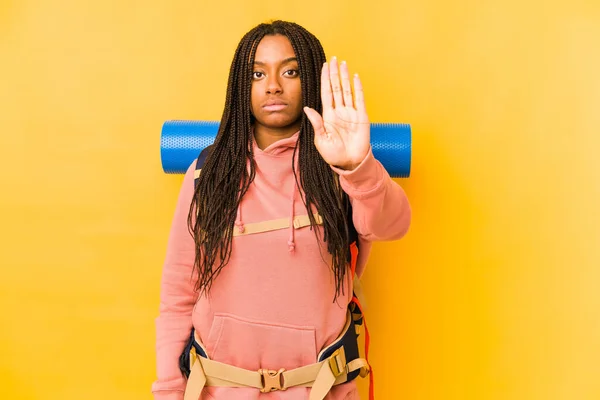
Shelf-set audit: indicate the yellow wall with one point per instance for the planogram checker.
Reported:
(493, 294)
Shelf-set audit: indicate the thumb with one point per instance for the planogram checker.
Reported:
(315, 119)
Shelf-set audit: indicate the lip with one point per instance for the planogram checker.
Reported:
(274, 106)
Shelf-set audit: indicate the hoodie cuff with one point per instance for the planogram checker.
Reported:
(367, 177)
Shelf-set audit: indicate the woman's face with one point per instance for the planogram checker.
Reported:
(276, 94)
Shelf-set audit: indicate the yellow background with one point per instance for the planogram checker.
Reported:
(493, 294)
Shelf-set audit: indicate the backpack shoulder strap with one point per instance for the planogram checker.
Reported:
(200, 163)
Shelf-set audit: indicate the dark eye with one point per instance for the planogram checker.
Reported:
(291, 72)
(257, 75)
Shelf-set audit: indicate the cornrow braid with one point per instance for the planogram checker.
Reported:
(230, 168)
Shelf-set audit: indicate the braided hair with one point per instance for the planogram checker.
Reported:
(226, 177)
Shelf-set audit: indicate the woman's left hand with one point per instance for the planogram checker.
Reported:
(342, 134)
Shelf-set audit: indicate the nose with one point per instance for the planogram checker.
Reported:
(273, 85)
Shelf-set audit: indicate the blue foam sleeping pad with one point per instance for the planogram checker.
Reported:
(182, 141)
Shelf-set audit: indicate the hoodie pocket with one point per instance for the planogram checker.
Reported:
(257, 344)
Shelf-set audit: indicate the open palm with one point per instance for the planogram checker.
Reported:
(342, 134)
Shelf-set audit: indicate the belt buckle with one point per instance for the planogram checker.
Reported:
(271, 380)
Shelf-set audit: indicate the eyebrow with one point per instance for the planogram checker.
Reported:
(286, 61)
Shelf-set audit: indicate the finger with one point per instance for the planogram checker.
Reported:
(359, 96)
(336, 88)
(315, 120)
(326, 95)
(346, 88)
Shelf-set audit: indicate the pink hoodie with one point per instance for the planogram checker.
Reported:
(271, 306)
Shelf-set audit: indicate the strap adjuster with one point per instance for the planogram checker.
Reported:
(337, 362)
(271, 380)
(193, 357)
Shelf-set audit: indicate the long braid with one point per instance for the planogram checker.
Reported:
(316, 177)
(229, 169)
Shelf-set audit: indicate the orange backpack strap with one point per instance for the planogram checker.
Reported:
(357, 312)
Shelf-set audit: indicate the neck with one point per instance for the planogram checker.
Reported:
(266, 136)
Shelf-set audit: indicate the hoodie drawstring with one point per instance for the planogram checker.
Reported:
(238, 222)
(291, 243)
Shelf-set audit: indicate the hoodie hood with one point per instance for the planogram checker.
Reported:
(277, 148)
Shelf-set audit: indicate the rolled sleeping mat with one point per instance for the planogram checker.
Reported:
(182, 141)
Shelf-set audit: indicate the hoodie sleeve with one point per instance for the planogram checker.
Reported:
(177, 299)
(380, 207)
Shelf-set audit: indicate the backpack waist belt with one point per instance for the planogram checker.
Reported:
(338, 363)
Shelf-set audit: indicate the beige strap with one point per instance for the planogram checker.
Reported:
(359, 363)
(320, 376)
(263, 226)
(220, 374)
(300, 221)
(328, 373)
(196, 381)
(322, 385)
(307, 376)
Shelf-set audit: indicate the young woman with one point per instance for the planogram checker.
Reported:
(262, 253)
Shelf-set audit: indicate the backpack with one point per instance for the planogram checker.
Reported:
(348, 339)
